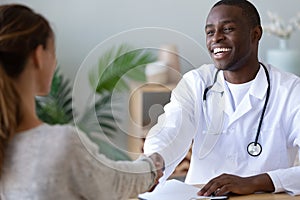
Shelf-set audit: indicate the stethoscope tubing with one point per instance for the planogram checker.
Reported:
(254, 144)
(265, 105)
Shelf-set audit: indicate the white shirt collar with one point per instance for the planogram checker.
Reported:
(258, 88)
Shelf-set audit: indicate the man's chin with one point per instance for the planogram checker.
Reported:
(220, 66)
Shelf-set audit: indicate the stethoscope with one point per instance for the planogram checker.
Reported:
(253, 148)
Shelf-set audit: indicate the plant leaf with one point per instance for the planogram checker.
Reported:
(117, 64)
(56, 108)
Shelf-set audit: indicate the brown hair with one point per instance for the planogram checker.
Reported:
(21, 31)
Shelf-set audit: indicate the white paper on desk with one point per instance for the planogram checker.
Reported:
(172, 189)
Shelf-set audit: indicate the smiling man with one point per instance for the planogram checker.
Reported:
(241, 115)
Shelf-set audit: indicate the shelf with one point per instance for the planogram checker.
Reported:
(146, 103)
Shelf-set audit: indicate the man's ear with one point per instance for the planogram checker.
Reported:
(257, 33)
(38, 56)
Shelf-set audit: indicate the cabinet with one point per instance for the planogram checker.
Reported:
(145, 105)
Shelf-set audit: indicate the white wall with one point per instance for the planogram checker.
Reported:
(81, 25)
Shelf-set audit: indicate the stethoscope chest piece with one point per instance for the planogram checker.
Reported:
(254, 149)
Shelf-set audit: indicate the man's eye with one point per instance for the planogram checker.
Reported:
(209, 33)
(228, 29)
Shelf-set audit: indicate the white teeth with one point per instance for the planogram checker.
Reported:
(219, 50)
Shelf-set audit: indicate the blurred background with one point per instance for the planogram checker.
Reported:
(83, 26)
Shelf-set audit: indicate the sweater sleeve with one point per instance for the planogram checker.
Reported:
(94, 176)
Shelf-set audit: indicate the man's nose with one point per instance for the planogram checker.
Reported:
(218, 36)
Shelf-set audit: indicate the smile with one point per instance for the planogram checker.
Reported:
(221, 50)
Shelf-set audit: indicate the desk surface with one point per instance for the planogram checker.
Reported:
(265, 196)
(258, 196)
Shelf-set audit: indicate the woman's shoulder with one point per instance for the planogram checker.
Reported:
(58, 132)
(72, 138)
(57, 135)
(43, 132)
(68, 134)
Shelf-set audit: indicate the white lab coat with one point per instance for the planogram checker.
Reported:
(184, 122)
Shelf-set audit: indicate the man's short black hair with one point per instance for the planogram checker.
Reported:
(248, 10)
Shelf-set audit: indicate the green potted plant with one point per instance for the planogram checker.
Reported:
(115, 67)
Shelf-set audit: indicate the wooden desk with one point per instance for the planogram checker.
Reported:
(264, 196)
(259, 196)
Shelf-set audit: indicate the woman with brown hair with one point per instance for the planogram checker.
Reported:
(39, 161)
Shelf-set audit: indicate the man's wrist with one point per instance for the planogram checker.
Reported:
(262, 183)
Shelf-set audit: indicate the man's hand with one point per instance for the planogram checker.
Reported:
(159, 165)
(227, 183)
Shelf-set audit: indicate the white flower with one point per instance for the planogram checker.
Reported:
(280, 28)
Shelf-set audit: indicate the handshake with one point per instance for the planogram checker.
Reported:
(159, 164)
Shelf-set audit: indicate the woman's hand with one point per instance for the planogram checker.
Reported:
(227, 183)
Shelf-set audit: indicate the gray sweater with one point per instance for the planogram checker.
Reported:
(59, 162)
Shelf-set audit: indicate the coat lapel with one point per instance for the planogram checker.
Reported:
(256, 93)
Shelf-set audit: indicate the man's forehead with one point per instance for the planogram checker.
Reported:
(224, 14)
